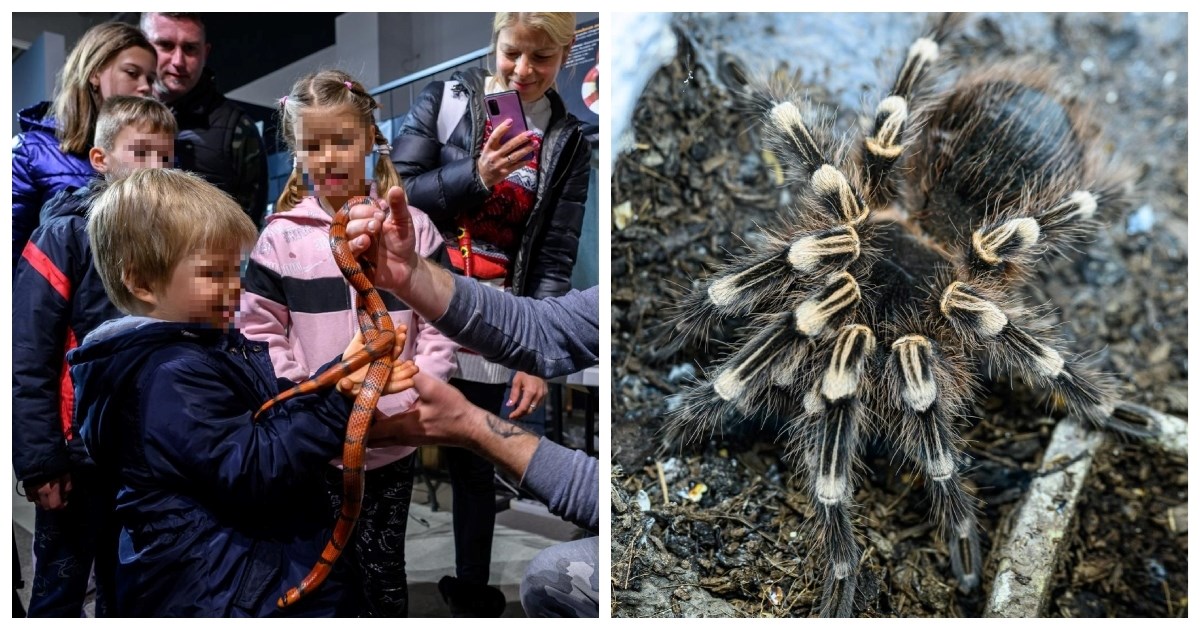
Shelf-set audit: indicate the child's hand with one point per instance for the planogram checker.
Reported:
(352, 383)
(356, 344)
(51, 494)
(400, 380)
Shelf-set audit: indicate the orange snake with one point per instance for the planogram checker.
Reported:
(379, 336)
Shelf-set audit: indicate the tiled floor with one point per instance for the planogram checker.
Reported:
(521, 532)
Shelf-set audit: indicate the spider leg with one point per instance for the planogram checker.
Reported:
(1009, 342)
(765, 281)
(829, 197)
(1007, 248)
(769, 358)
(825, 437)
(824, 239)
(930, 397)
(884, 147)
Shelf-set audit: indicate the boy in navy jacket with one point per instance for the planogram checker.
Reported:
(219, 513)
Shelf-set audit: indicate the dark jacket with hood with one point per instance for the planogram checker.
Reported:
(443, 181)
(40, 170)
(58, 298)
(220, 142)
(219, 513)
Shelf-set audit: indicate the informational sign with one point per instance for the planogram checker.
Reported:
(579, 79)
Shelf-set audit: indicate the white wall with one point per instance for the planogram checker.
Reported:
(267, 90)
(379, 47)
(421, 40)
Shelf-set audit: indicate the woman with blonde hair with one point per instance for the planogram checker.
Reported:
(511, 214)
(51, 152)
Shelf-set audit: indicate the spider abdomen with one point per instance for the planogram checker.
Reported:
(994, 145)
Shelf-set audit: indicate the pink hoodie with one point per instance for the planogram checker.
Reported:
(297, 300)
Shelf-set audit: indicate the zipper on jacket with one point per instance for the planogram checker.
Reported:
(574, 149)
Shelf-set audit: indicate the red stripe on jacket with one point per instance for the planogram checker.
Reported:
(43, 265)
(66, 389)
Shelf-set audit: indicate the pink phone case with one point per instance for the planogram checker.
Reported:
(502, 106)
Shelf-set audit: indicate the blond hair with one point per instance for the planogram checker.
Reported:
(142, 226)
(329, 89)
(145, 114)
(559, 27)
(76, 103)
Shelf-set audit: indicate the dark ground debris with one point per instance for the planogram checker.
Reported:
(696, 181)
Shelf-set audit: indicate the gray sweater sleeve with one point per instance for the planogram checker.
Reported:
(567, 481)
(547, 338)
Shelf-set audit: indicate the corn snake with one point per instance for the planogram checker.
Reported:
(379, 336)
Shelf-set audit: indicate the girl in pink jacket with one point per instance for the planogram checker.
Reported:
(297, 300)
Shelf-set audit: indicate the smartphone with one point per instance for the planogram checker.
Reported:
(504, 105)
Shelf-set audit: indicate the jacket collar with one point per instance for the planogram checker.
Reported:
(309, 210)
(202, 99)
(71, 201)
(473, 79)
(37, 118)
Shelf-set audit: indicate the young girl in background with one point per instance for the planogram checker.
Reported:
(298, 301)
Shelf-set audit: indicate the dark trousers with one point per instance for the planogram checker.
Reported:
(473, 480)
(18, 583)
(377, 583)
(67, 542)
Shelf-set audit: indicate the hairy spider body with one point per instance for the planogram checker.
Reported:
(893, 282)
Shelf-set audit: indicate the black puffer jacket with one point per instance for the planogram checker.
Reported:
(443, 181)
(218, 141)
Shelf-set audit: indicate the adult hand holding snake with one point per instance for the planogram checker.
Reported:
(424, 286)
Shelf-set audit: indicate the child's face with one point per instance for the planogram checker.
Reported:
(205, 288)
(332, 146)
(130, 72)
(134, 148)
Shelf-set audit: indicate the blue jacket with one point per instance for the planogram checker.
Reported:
(219, 514)
(40, 169)
(58, 299)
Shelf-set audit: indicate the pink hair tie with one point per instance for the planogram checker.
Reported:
(283, 101)
(349, 86)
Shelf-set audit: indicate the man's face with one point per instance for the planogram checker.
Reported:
(136, 148)
(182, 53)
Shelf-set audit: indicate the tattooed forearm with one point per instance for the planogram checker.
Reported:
(504, 428)
(505, 444)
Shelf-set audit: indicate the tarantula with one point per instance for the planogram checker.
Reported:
(891, 286)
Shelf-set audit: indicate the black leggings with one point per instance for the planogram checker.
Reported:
(377, 585)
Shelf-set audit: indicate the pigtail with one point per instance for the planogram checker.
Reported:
(385, 172)
(294, 191)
